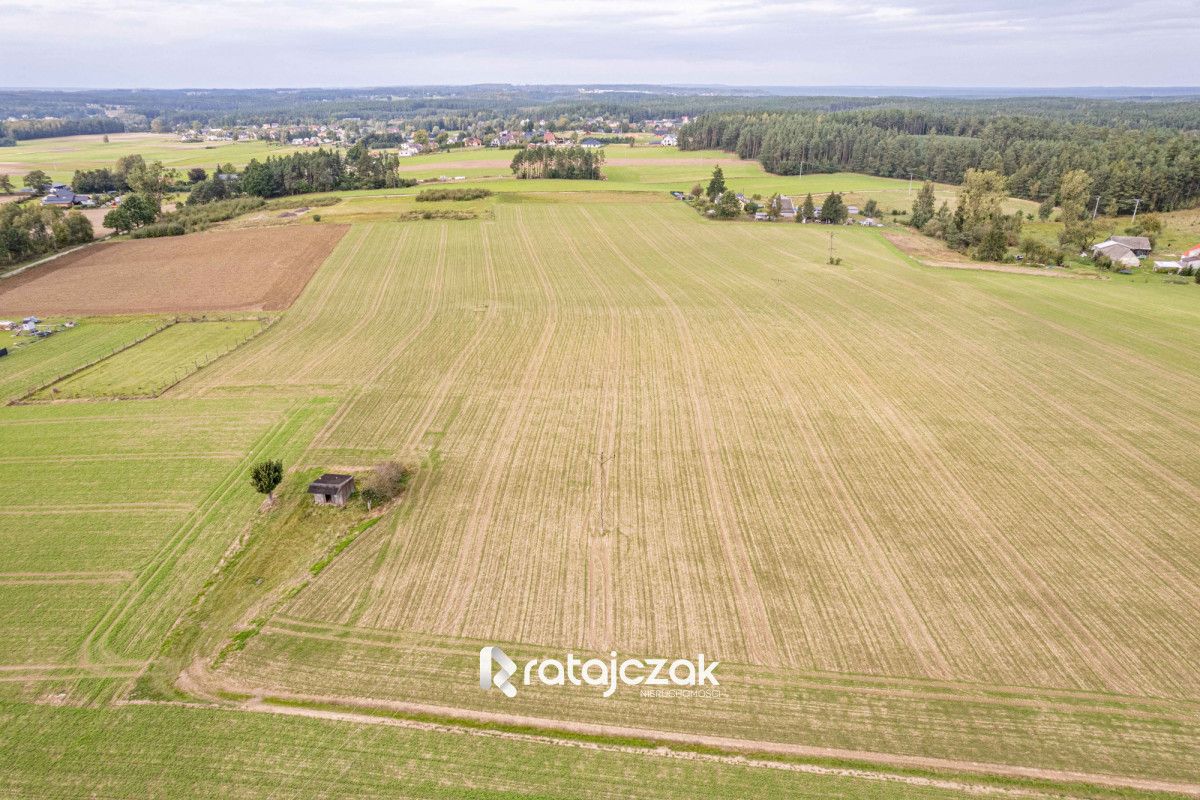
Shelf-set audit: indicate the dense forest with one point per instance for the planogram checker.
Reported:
(1159, 165)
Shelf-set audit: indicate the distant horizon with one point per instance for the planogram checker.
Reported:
(1091, 91)
(298, 43)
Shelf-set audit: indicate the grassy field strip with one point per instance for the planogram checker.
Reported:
(297, 706)
(26, 369)
(65, 577)
(156, 363)
(340, 755)
(69, 554)
(151, 604)
(977, 726)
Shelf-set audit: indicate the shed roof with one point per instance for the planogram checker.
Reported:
(329, 483)
(1133, 242)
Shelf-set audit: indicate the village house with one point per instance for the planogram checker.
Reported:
(62, 196)
(332, 489)
(669, 140)
(591, 143)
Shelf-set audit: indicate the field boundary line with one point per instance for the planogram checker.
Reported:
(737, 750)
(21, 400)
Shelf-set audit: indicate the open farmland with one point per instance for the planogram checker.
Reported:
(156, 363)
(901, 505)
(61, 156)
(927, 519)
(236, 270)
(32, 363)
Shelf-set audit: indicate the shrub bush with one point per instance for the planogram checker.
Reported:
(430, 195)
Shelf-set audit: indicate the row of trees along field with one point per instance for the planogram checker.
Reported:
(16, 129)
(1160, 166)
(579, 163)
(322, 171)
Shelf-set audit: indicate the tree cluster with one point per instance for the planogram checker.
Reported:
(978, 224)
(578, 163)
(28, 230)
(322, 171)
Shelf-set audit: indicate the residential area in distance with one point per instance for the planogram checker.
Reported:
(698, 439)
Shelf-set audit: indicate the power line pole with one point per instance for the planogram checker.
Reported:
(801, 168)
(1137, 201)
(831, 247)
(1096, 210)
(603, 460)
(910, 179)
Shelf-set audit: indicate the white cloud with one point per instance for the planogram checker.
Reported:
(781, 42)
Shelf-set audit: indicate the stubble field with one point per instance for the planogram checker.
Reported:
(957, 486)
(926, 519)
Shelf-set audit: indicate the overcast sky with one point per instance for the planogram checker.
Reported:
(256, 43)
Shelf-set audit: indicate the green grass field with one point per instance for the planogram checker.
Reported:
(929, 520)
(61, 156)
(33, 363)
(153, 365)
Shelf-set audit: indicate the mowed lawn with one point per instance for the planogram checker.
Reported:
(153, 365)
(906, 507)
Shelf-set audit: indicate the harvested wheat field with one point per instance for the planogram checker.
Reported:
(938, 514)
(260, 269)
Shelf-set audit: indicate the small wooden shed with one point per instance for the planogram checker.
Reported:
(332, 489)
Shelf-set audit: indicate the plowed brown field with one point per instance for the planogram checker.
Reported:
(260, 269)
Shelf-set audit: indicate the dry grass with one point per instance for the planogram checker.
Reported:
(964, 481)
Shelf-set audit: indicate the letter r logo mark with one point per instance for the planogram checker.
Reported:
(499, 679)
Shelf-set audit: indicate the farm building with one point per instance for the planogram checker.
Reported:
(1140, 245)
(1116, 253)
(332, 489)
(591, 143)
(787, 209)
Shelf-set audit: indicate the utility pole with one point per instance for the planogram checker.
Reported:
(1137, 201)
(831, 247)
(910, 177)
(1096, 210)
(603, 460)
(801, 168)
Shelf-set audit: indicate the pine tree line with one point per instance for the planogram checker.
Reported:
(1158, 165)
